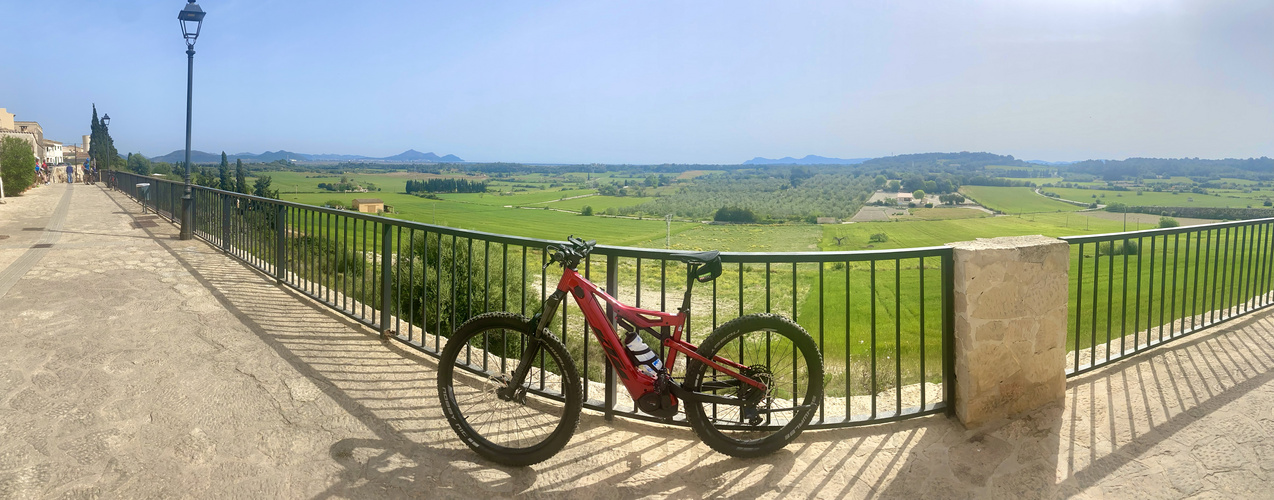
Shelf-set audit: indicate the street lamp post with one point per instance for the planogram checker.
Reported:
(191, 19)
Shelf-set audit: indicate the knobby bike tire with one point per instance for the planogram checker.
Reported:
(481, 351)
(786, 348)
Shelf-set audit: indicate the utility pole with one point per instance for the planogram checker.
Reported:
(668, 241)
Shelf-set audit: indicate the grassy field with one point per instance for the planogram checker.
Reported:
(599, 203)
(1215, 198)
(1015, 200)
(912, 234)
(532, 223)
(940, 213)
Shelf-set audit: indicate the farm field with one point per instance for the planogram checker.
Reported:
(742, 238)
(531, 223)
(599, 203)
(909, 234)
(1015, 200)
(1218, 198)
(940, 213)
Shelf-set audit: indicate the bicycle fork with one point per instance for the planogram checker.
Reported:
(513, 390)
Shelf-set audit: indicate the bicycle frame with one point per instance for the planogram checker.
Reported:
(657, 323)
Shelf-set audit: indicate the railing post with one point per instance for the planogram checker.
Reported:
(612, 289)
(948, 333)
(225, 224)
(280, 243)
(386, 286)
(1010, 325)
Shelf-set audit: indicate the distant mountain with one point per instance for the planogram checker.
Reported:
(410, 155)
(275, 156)
(413, 155)
(807, 160)
(1051, 163)
(179, 156)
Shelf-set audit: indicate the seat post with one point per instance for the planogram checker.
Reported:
(690, 284)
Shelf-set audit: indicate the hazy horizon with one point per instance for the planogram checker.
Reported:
(659, 82)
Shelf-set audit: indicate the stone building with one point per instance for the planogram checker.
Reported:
(53, 153)
(31, 132)
(369, 205)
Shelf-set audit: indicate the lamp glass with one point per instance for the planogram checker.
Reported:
(191, 19)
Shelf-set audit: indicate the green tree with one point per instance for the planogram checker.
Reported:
(240, 178)
(223, 172)
(204, 178)
(587, 211)
(919, 195)
(101, 148)
(17, 165)
(880, 181)
(138, 164)
(1168, 222)
(893, 186)
(261, 187)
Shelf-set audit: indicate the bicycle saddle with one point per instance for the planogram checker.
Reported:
(706, 265)
(697, 257)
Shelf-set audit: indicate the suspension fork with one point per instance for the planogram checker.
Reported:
(541, 321)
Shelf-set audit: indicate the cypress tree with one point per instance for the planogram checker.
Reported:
(224, 170)
(240, 178)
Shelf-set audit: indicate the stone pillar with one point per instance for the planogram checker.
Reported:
(1010, 325)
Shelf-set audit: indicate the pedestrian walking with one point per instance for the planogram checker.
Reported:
(70, 174)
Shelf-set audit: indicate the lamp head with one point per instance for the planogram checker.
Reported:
(191, 19)
(106, 119)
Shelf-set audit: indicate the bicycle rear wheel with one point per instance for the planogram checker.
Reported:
(775, 351)
(510, 425)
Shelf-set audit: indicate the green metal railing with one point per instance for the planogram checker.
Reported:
(882, 319)
(1137, 290)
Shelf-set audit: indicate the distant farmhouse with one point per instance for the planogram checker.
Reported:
(369, 205)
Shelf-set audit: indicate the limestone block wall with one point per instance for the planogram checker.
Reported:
(1010, 325)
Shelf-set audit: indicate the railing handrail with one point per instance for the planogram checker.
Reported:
(619, 251)
(1090, 238)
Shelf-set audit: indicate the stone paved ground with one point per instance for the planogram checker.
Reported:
(134, 365)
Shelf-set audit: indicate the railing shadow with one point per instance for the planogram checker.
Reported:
(1142, 427)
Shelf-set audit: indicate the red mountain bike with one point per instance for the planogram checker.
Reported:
(511, 392)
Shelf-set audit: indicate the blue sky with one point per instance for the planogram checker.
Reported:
(656, 81)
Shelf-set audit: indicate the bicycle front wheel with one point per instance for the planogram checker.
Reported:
(510, 424)
(776, 352)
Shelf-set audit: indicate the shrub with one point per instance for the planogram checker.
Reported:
(17, 165)
(1128, 247)
(878, 238)
(1168, 222)
(586, 211)
(734, 214)
(928, 205)
(337, 204)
